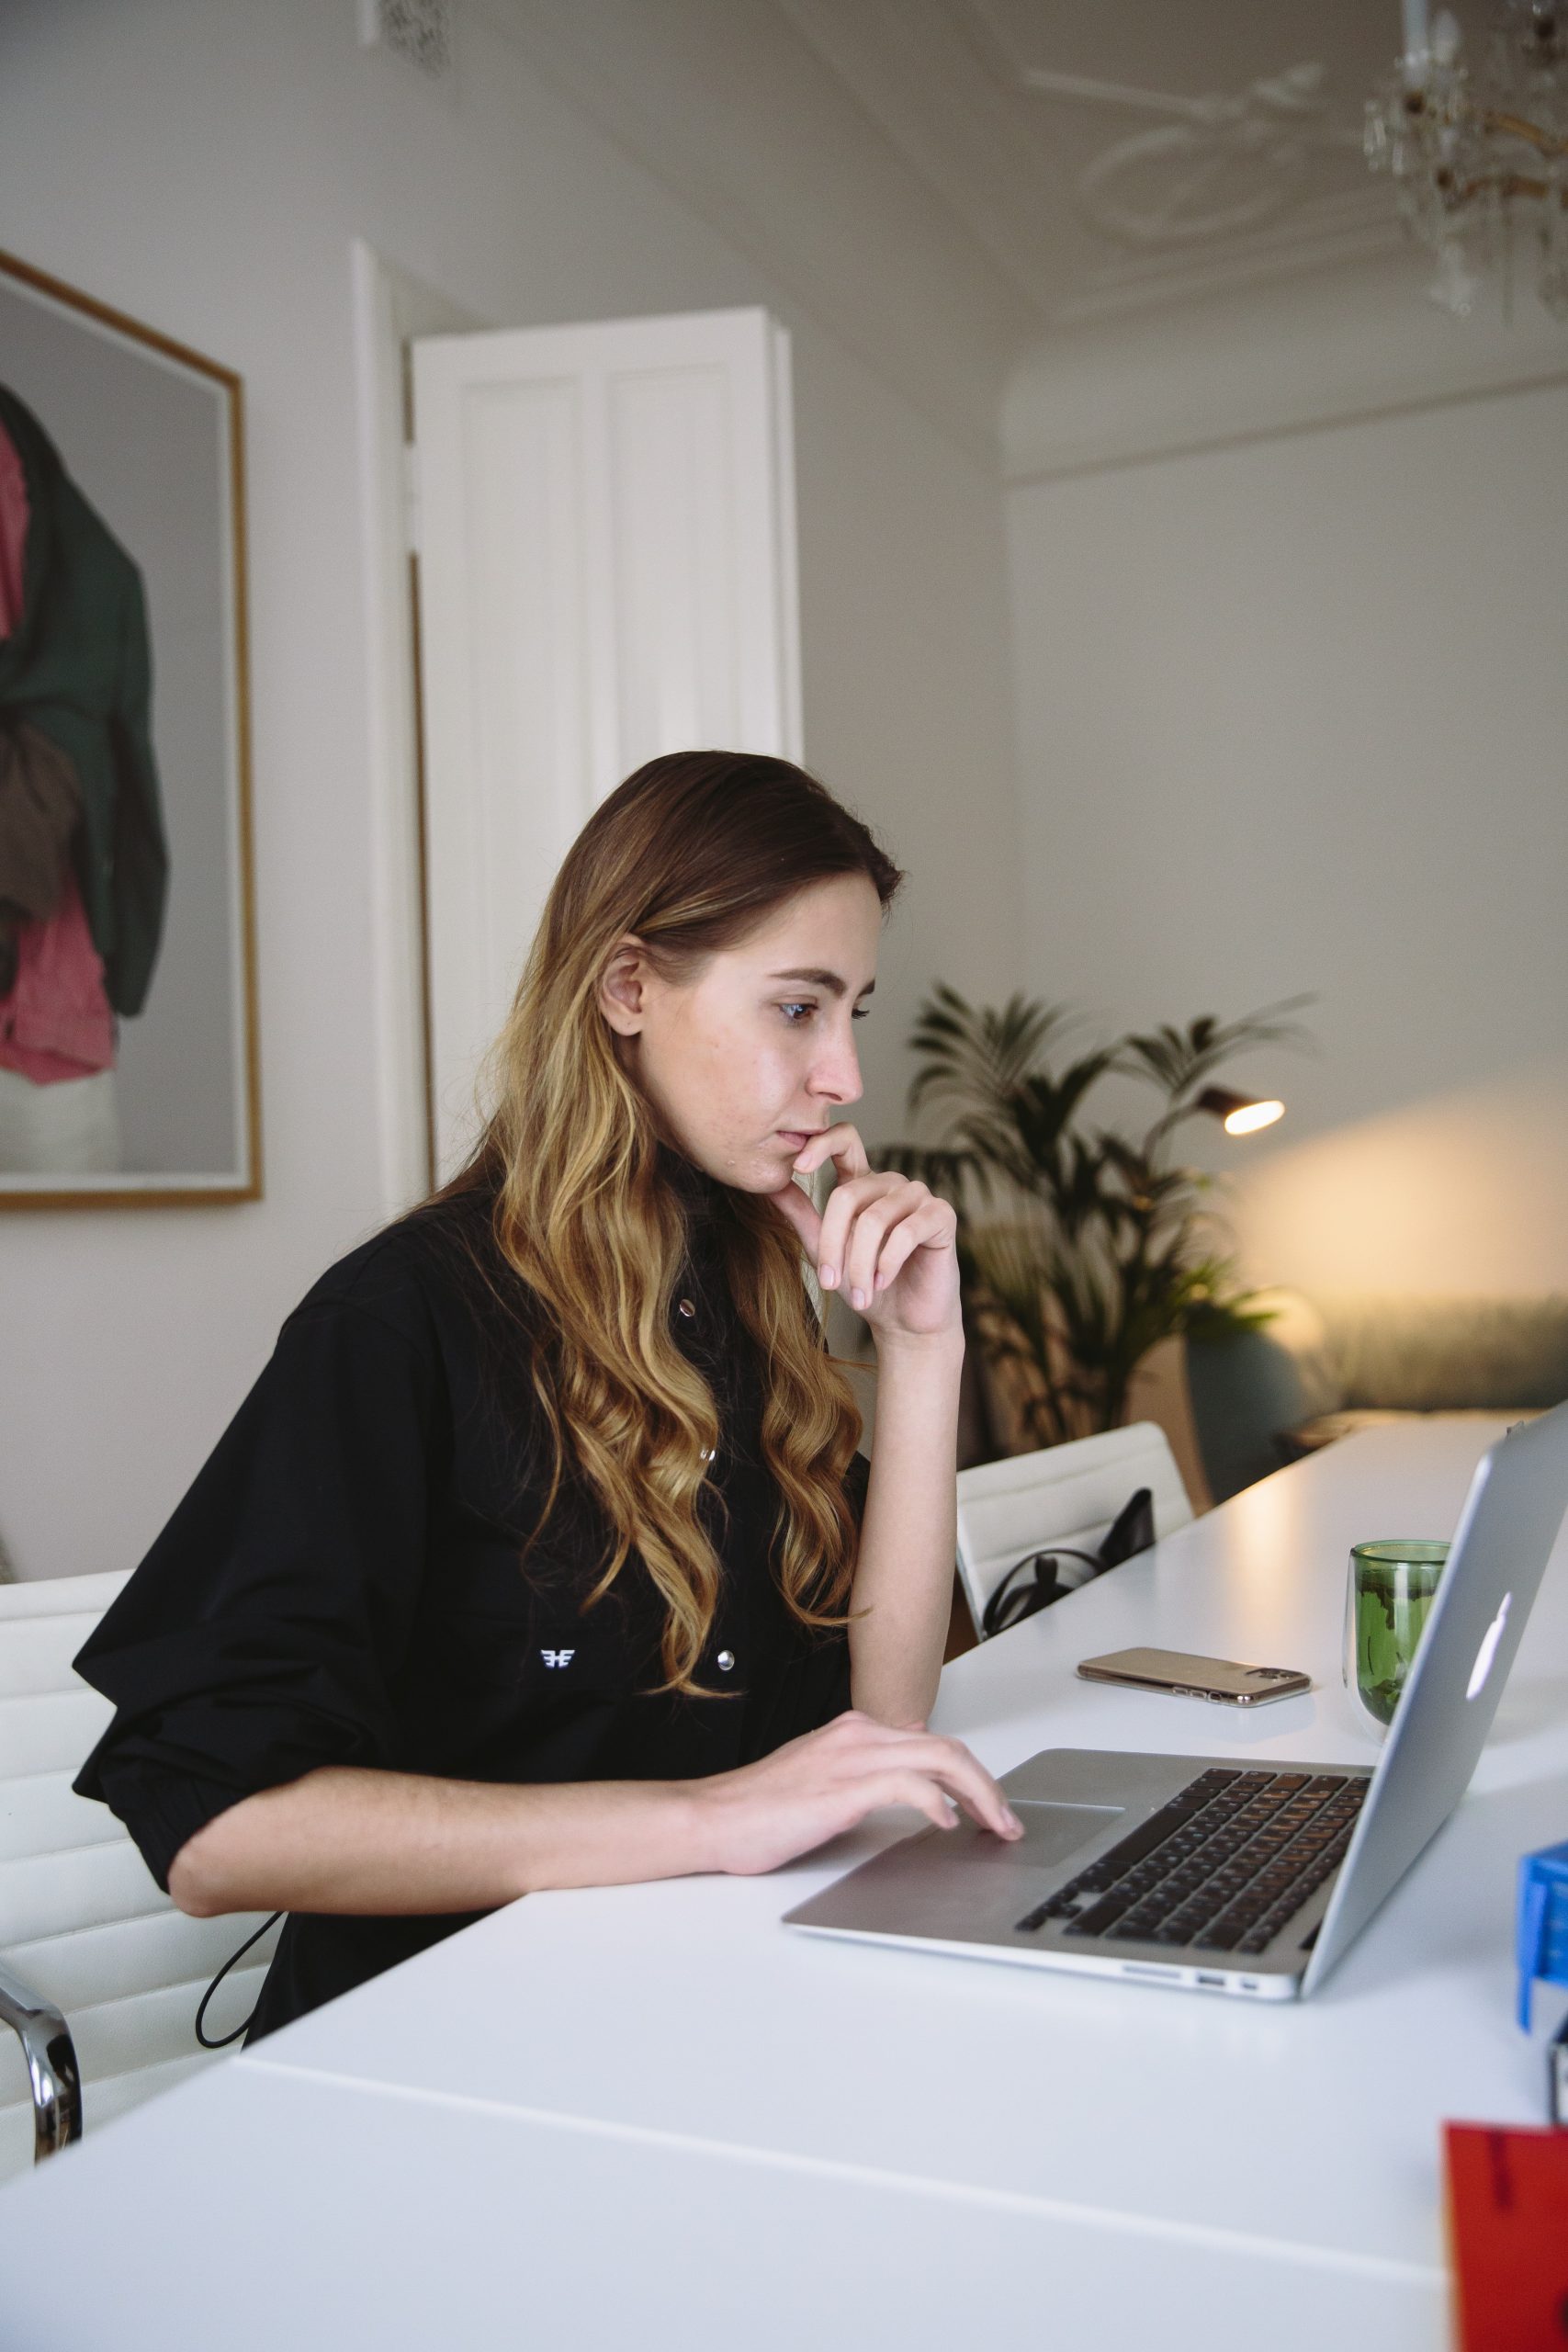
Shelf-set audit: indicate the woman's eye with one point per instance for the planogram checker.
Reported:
(860, 1013)
(796, 1013)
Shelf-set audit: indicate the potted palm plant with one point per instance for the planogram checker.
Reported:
(1082, 1247)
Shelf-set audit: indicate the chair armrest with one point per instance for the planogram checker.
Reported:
(52, 2064)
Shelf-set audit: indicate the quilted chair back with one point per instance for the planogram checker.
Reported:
(82, 1921)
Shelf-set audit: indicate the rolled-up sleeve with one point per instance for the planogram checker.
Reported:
(262, 1635)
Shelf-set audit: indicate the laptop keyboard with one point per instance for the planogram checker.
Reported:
(1223, 1866)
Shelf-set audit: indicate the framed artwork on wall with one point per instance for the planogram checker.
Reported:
(127, 1028)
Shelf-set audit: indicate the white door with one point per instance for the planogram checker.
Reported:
(605, 534)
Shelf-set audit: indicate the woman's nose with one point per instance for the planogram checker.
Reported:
(837, 1074)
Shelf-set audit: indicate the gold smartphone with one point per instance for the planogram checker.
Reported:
(1185, 1677)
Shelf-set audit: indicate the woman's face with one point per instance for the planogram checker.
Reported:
(753, 1051)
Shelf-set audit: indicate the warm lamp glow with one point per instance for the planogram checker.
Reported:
(1243, 1114)
(1252, 1115)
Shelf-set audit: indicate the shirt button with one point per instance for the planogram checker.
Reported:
(724, 1660)
(686, 1308)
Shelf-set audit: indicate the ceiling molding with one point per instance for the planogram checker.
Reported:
(1248, 364)
(1325, 235)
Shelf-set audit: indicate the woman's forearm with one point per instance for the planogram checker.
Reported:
(903, 1581)
(345, 1839)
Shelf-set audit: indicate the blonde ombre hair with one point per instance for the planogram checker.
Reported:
(689, 854)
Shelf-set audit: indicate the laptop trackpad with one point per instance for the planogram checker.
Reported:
(1052, 1833)
(959, 1884)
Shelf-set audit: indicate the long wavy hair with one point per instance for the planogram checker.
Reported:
(689, 854)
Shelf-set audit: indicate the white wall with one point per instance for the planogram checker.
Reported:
(205, 164)
(1293, 715)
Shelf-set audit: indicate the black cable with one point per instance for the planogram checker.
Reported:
(218, 1980)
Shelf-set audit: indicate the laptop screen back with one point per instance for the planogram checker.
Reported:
(1508, 1527)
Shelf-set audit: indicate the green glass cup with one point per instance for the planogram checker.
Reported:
(1388, 1600)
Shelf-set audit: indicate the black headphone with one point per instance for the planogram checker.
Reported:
(1011, 1602)
(1131, 1531)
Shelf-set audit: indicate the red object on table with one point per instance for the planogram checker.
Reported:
(1507, 2210)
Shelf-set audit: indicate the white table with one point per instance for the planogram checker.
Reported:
(650, 2108)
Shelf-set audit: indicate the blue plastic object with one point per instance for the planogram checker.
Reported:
(1542, 1946)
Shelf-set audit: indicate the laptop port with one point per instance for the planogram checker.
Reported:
(1204, 1979)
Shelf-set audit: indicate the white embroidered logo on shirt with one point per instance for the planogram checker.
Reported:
(558, 1658)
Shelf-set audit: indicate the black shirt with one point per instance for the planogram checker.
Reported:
(345, 1582)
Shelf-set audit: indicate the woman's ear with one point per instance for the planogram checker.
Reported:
(624, 988)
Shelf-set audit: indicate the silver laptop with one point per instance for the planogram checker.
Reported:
(1211, 1872)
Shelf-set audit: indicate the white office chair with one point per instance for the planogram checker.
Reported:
(99, 1974)
(1065, 1494)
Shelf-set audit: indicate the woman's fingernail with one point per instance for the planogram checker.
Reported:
(1013, 1821)
(828, 1277)
(857, 1299)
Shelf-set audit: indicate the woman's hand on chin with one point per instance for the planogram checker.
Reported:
(815, 1787)
(886, 1241)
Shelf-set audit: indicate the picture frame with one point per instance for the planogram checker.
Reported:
(129, 1052)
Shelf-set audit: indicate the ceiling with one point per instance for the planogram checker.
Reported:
(956, 189)
(1107, 182)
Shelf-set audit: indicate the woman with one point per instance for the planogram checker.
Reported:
(540, 1555)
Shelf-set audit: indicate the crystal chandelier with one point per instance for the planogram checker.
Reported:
(1479, 165)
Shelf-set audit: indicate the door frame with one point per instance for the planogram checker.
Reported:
(391, 306)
